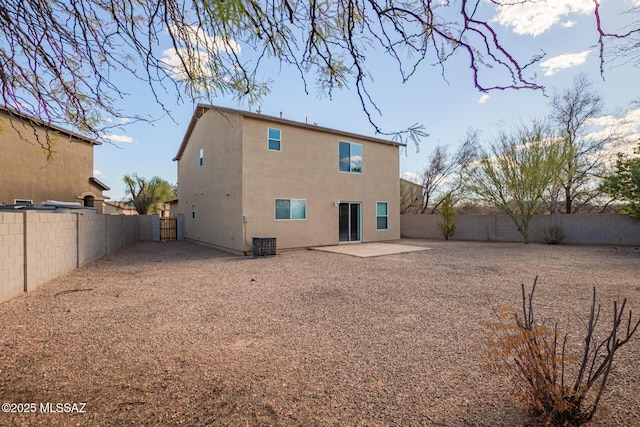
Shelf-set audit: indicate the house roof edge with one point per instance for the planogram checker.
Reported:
(202, 108)
(13, 112)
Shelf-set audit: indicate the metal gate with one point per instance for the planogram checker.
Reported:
(168, 228)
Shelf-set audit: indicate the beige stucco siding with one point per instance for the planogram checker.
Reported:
(25, 172)
(215, 188)
(307, 167)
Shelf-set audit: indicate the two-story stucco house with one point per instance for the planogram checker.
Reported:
(243, 175)
(27, 176)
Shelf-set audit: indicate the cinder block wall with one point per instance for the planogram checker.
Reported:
(130, 229)
(52, 246)
(11, 255)
(92, 239)
(601, 229)
(149, 228)
(37, 247)
(115, 231)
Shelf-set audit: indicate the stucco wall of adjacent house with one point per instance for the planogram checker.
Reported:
(215, 188)
(307, 167)
(28, 174)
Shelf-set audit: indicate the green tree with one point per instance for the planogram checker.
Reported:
(623, 183)
(448, 227)
(146, 194)
(518, 169)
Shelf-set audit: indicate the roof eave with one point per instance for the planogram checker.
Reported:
(38, 122)
(202, 108)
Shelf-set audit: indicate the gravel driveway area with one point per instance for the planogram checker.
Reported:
(180, 334)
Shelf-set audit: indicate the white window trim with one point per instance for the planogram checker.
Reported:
(193, 211)
(362, 161)
(201, 157)
(289, 219)
(279, 140)
(382, 216)
(22, 202)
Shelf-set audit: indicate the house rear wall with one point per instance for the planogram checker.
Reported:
(307, 167)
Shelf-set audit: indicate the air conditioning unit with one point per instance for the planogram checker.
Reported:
(264, 246)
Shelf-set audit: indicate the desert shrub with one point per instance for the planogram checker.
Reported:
(554, 235)
(536, 360)
(448, 227)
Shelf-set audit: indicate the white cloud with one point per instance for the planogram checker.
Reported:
(567, 60)
(119, 138)
(568, 24)
(411, 176)
(626, 129)
(198, 57)
(536, 17)
(199, 38)
(96, 172)
(484, 98)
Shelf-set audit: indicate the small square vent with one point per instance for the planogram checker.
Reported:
(264, 246)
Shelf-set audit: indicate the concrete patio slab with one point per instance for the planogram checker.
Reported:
(365, 250)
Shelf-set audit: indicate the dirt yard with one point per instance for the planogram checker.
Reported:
(178, 334)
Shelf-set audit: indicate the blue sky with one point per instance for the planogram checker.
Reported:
(564, 29)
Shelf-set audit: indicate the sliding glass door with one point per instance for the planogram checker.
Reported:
(349, 222)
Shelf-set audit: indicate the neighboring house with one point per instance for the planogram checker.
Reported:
(411, 197)
(243, 175)
(128, 208)
(173, 207)
(28, 177)
(119, 208)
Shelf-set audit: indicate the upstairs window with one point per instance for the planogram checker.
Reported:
(350, 157)
(291, 209)
(201, 156)
(382, 216)
(273, 139)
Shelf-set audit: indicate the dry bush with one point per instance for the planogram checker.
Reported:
(554, 235)
(535, 359)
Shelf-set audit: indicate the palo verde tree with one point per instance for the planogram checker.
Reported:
(519, 167)
(448, 226)
(146, 194)
(62, 61)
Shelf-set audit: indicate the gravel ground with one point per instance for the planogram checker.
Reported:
(179, 334)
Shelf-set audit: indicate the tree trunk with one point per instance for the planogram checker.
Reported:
(567, 199)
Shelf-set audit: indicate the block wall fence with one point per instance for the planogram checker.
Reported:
(587, 229)
(36, 247)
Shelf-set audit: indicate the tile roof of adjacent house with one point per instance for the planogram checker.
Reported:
(34, 120)
(202, 108)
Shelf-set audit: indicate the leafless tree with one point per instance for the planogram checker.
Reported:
(411, 196)
(571, 112)
(444, 172)
(626, 40)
